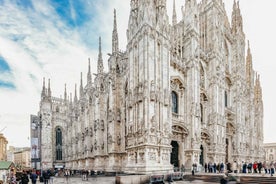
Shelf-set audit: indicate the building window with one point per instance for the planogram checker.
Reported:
(174, 102)
(225, 99)
(201, 113)
(58, 144)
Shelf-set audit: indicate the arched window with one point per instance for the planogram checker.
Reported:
(225, 99)
(201, 113)
(58, 144)
(174, 102)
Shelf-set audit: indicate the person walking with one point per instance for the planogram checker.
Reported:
(66, 174)
(46, 177)
(33, 177)
(24, 178)
(272, 168)
(235, 167)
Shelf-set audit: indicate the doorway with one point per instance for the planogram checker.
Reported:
(201, 158)
(227, 150)
(174, 154)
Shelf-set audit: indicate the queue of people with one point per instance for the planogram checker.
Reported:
(243, 167)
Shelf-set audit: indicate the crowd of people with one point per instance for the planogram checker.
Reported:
(243, 167)
(47, 176)
(26, 176)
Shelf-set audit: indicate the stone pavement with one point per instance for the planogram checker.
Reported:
(78, 180)
(110, 180)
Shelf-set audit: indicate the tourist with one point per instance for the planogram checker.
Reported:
(235, 167)
(46, 176)
(244, 166)
(215, 167)
(249, 167)
(33, 177)
(66, 174)
(271, 168)
(255, 166)
(205, 166)
(260, 167)
(265, 167)
(221, 167)
(24, 178)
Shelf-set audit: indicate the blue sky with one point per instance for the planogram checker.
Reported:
(55, 38)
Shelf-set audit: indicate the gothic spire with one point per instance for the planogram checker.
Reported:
(71, 99)
(174, 17)
(115, 41)
(65, 92)
(81, 87)
(258, 89)
(249, 67)
(75, 98)
(100, 57)
(89, 77)
(237, 23)
(49, 88)
(43, 93)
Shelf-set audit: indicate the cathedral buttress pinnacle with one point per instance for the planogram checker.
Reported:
(49, 88)
(237, 23)
(174, 17)
(81, 87)
(115, 41)
(43, 93)
(65, 92)
(249, 67)
(75, 98)
(89, 77)
(100, 57)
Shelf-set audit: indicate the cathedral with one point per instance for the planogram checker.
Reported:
(183, 92)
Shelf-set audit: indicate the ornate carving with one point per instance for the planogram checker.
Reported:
(119, 139)
(152, 155)
(109, 139)
(102, 125)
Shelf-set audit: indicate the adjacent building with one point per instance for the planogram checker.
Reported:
(21, 157)
(270, 151)
(3, 147)
(181, 93)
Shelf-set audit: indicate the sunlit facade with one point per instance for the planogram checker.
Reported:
(181, 93)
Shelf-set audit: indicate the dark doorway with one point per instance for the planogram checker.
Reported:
(201, 158)
(226, 149)
(174, 154)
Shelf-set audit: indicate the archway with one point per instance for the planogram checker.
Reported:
(227, 150)
(174, 154)
(201, 157)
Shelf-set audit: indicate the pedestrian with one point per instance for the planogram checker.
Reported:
(33, 177)
(66, 174)
(235, 167)
(24, 178)
(260, 166)
(51, 174)
(224, 179)
(272, 168)
(215, 168)
(45, 176)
